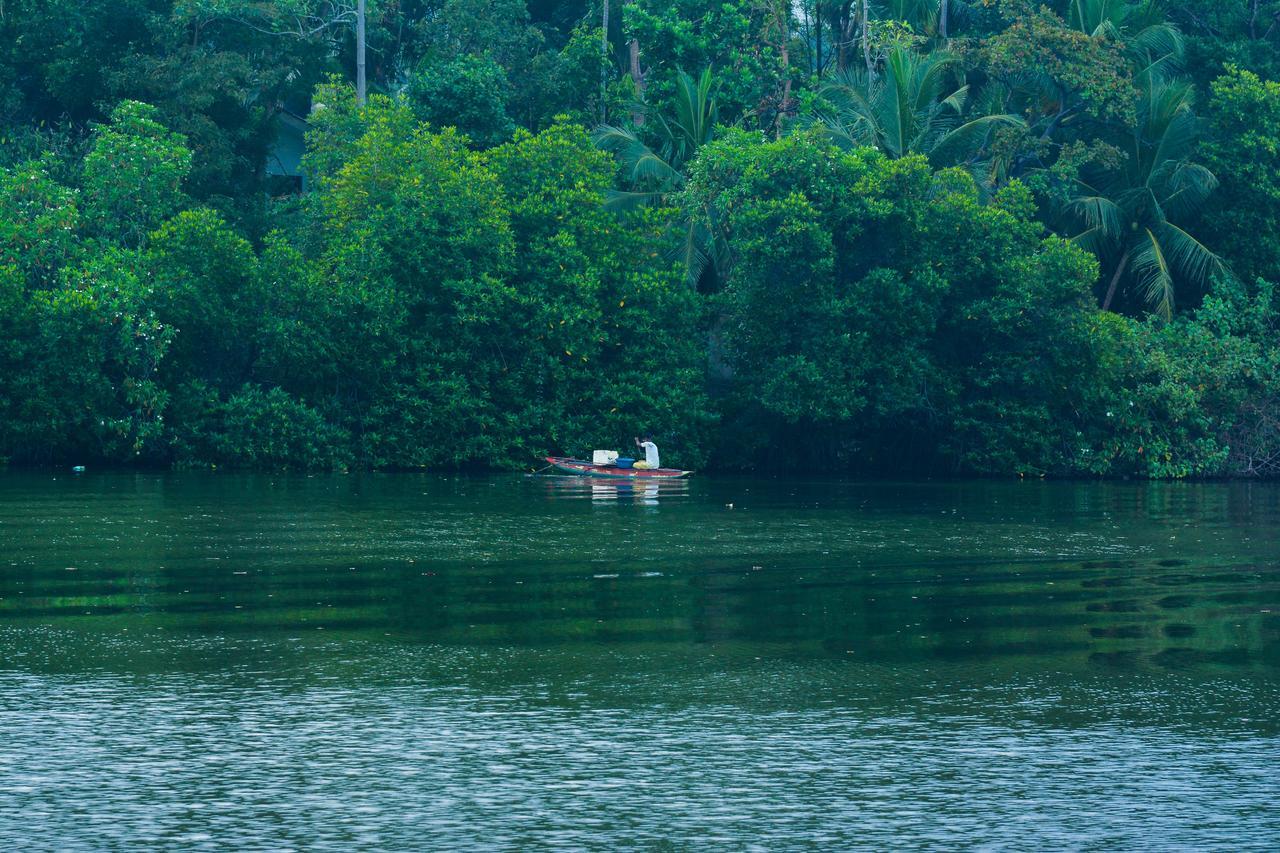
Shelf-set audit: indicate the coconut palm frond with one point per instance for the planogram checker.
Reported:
(1188, 256)
(963, 142)
(1153, 275)
(852, 120)
(916, 105)
(1097, 241)
(692, 251)
(696, 109)
(956, 100)
(1107, 30)
(616, 140)
(856, 133)
(652, 170)
(1161, 39)
(1168, 128)
(928, 74)
(622, 201)
(1187, 187)
(1099, 214)
(623, 144)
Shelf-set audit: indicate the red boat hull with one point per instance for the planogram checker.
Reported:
(583, 468)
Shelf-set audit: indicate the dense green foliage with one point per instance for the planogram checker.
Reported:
(996, 237)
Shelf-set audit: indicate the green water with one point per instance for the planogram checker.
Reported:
(430, 662)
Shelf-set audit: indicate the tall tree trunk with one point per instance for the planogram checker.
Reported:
(637, 76)
(362, 87)
(844, 30)
(817, 39)
(1115, 280)
(866, 34)
(944, 6)
(637, 80)
(784, 30)
(604, 59)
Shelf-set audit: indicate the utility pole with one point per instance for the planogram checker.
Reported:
(362, 87)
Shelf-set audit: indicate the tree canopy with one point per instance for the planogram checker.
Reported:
(913, 236)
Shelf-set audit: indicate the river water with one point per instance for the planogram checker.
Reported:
(506, 662)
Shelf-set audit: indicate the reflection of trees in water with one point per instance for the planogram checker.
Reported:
(424, 560)
(1113, 612)
(1178, 613)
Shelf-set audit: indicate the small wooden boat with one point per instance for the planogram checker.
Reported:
(582, 468)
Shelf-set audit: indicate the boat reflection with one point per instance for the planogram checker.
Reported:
(647, 493)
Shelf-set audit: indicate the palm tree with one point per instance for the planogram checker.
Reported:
(1154, 45)
(913, 106)
(1127, 214)
(654, 170)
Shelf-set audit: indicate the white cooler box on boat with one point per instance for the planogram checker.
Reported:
(604, 457)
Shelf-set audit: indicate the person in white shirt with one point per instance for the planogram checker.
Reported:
(650, 459)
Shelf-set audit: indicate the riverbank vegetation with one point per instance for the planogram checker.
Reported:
(943, 237)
